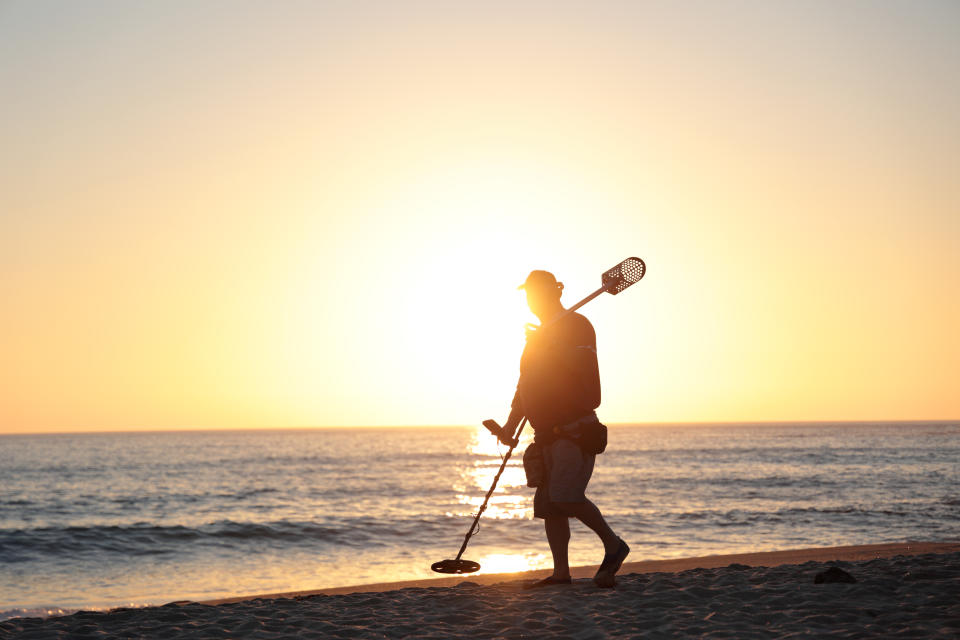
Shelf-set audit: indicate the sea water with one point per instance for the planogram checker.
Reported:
(127, 519)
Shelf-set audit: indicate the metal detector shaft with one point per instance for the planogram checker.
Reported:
(496, 478)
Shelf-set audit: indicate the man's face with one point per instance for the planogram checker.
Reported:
(541, 299)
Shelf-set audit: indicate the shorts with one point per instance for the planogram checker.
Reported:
(567, 470)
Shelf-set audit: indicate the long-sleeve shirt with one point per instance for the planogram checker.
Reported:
(559, 377)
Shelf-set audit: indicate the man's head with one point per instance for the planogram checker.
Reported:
(543, 293)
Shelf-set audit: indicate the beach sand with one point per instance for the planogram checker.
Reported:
(901, 590)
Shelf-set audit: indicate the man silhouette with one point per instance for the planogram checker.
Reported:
(558, 390)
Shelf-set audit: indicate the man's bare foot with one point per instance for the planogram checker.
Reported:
(611, 564)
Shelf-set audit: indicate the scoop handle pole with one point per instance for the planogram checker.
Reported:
(570, 310)
(611, 282)
(496, 479)
(585, 300)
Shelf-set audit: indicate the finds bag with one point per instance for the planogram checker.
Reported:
(533, 465)
(593, 438)
(588, 432)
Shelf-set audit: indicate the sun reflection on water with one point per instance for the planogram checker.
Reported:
(512, 499)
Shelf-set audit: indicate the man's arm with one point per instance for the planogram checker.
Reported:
(507, 433)
(585, 357)
(513, 420)
(581, 357)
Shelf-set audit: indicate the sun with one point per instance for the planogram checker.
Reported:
(463, 326)
(479, 229)
(422, 320)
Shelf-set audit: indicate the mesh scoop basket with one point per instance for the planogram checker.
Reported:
(623, 275)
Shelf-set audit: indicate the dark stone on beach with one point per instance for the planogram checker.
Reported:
(738, 567)
(833, 574)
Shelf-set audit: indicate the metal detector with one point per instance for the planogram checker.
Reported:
(613, 281)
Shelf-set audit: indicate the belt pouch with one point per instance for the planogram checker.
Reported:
(533, 465)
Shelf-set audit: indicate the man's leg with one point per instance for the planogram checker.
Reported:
(588, 513)
(558, 535)
(615, 549)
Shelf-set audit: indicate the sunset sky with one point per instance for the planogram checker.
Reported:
(258, 214)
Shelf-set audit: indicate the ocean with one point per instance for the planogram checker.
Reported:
(103, 520)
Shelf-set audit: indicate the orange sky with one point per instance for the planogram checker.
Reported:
(305, 214)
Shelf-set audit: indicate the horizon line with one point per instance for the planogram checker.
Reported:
(467, 426)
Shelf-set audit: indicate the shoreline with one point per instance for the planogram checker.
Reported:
(852, 553)
(865, 591)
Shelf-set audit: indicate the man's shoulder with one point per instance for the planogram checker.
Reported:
(578, 326)
(575, 319)
(579, 317)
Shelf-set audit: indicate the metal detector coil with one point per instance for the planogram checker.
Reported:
(455, 566)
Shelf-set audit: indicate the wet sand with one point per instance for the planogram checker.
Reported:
(901, 590)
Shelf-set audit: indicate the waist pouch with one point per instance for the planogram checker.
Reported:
(533, 465)
(594, 438)
(588, 432)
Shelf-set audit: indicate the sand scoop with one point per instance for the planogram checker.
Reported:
(613, 281)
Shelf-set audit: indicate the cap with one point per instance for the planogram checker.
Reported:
(541, 280)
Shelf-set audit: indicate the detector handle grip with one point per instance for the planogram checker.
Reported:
(493, 427)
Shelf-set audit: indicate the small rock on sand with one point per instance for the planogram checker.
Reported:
(833, 574)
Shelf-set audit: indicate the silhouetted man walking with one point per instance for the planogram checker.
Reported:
(558, 390)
